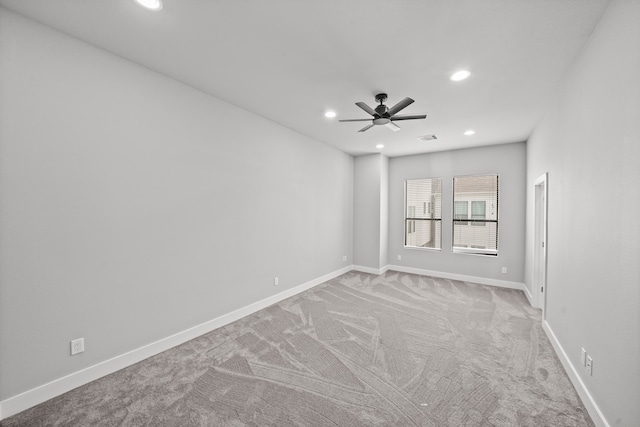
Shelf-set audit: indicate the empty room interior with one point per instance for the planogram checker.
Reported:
(319, 213)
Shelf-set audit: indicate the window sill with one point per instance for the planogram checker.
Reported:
(421, 248)
(471, 251)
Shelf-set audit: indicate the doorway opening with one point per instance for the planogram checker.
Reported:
(540, 242)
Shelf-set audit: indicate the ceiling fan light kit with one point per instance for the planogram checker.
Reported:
(384, 116)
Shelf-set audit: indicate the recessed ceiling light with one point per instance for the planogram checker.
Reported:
(460, 75)
(470, 132)
(151, 4)
(379, 146)
(330, 114)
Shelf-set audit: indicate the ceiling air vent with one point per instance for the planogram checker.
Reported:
(427, 137)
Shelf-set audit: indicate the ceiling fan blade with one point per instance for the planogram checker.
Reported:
(366, 127)
(394, 127)
(400, 105)
(417, 116)
(366, 108)
(355, 120)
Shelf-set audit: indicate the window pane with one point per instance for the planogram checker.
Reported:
(478, 209)
(476, 198)
(423, 210)
(461, 210)
(426, 233)
(424, 198)
(469, 235)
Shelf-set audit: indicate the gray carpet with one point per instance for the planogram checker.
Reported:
(360, 350)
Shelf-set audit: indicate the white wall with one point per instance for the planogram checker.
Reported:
(508, 161)
(370, 212)
(589, 144)
(133, 207)
(384, 211)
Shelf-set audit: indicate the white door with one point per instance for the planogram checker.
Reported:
(540, 241)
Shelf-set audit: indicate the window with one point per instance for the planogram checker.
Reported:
(475, 214)
(423, 213)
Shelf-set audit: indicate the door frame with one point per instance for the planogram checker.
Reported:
(541, 193)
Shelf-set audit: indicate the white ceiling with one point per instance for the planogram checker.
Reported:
(290, 60)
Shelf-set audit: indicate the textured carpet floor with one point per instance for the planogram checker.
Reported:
(360, 350)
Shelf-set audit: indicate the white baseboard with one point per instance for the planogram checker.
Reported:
(473, 279)
(40, 394)
(593, 409)
(527, 293)
(370, 270)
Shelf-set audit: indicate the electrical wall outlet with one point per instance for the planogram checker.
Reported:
(344, 258)
(77, 346)
(275, 281)
(590, 365)
(504, 270)
(584, 357)
(399, 257)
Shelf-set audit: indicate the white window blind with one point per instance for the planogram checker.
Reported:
(475, 219)
(423, 213)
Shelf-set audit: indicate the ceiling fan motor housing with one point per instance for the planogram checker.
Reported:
(382, 110)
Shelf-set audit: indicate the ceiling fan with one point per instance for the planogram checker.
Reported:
(382, 115)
